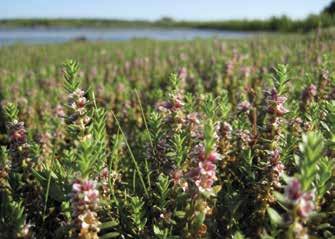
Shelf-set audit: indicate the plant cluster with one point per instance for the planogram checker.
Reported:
(233, 145)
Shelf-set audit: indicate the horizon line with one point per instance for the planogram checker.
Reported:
(158, 19)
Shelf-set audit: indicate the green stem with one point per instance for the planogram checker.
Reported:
(150, 139)
(132, 157)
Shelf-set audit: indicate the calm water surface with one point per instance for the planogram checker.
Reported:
(59, 35)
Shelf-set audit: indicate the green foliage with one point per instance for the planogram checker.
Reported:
(137, 215)
(153, 142)
(209, 136)
(330, 9)
(12, 217)
(224, 105)
(281, 78)
(178, 151)
(99, 136)
(275, 217)
(312, 150)
(238, 235)
(70, 74)
(163, 191)
(11, 112)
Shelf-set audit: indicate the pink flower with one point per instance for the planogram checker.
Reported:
(303, 201)
(213, 157)
(87, 185)
(193, 118)
(60, 111)
(78, 92)
(309, 93)
(244, 106)
(104, 173)
(178, 103)
(245, 136)
(174, 104)
(84, 202)
(92, 195)
(312, 90)
(81, 102)
(17, 132)
(194, 173)
(281, 110)
(177, 178)
(276, 103)
(205, 174)
(207, 167)
(306, 205)
(274, 156)
(199, 152)
(205, 183)
(293, 190)
(182, 74)
(280, 99)
(279, 168)
(18, 135)
(76, 187)
(226, 130)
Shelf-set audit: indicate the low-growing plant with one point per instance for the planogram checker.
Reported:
(228, 147)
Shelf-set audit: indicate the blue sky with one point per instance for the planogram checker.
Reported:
(154, 9)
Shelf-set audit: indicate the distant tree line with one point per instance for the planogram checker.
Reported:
(283, 23)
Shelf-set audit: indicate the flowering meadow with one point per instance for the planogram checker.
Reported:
(180, 139)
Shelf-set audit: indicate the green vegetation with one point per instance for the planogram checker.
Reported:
(151, 139)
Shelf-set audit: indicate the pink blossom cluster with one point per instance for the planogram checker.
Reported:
(297, 124)
(276, 103)
(77, 103)
(104, 182)
(226, 130)
(244, 106)
(182, 73)
(84, 201)
(44, 139)
(59, 111)
(17, 133)
(308, 95)
(303, 201)
(178, 179)
(174, 104)
(204, 175)
(173, 113)
(195, 127)
(245, 138)
(19, 147)
(277, 167)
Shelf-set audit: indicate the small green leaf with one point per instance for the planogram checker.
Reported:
(275, 218)
(180, 214)
(238, 235)
(199, 219)
(110, 235)
(109, 224)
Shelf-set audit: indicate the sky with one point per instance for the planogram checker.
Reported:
(155, 9)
